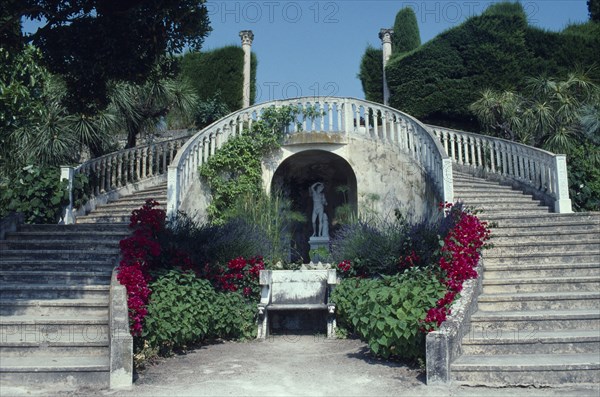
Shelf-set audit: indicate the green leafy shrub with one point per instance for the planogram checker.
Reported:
(185, 309)
(36, 192)
(584, 177)
(233, 317)
(388, 312)
(235, 169)
(179, 311)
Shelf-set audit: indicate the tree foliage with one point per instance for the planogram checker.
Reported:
(92, 42)
(371, 74)
(594, 10)
(219, 74)
(406, 32)
(498, 50)
(562, 116)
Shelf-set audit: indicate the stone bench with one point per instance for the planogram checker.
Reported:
(294, 290)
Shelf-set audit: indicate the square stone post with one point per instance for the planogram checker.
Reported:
(562, 205)
(173, 190)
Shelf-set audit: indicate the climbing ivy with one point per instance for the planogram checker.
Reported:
(235, 169)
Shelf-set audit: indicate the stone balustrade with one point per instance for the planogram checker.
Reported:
(533, 169)
(318, 114)
(117, 170)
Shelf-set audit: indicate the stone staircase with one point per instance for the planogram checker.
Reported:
(120, 210)
(54, 298)
(538, 317)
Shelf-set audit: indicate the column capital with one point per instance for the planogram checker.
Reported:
(385, 35)
(247, 36)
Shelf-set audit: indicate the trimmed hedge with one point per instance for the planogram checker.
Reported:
(219, 71)
(497, 50)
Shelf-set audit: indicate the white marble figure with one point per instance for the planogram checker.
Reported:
(319, 203)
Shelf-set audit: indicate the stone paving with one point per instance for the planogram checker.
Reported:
(294, 366)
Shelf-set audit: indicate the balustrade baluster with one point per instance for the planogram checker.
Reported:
(384, 129)
(453, 146)
(515, 161)
(376, 133)
(119, 181)
(150, 160)
(204, 150)
(459, 147)
(479, 158)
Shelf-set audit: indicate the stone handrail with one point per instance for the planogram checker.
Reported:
(533, 168)
(332, 115)
(116, 170)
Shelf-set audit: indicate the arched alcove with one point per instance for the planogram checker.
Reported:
(297, 173)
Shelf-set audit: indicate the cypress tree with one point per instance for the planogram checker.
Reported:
(371, 74)
(406, 32)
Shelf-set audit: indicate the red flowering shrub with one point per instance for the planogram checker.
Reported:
(460, 255)
(344, 266)
(140, 252)
(240, 275)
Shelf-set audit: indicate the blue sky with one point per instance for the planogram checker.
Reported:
(313, 48)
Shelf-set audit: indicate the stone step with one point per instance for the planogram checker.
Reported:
(52, 291)
(518, 219)
(462, 181)
(549, 247)
(81, 255)
(480, 342)
(63, 373)
(130, 203)
(83, 243)
(477, 199)
(95, 219)
(61, 328)
(520, 258)
(548, 270)
(540, 320)
(491, 214)
(475, 195)
(68, 235)
(96, 307)
(51, 349)
(548, 234)
(545, 284)
(535, 301)
(55, 277)
(41, 264)
(507, 205)
(526, 369)
(106, 227)
(479, 190)
(113, 211)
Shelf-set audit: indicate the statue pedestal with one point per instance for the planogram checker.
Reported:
(319, 248)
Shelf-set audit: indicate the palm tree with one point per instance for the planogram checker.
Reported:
(553, 114)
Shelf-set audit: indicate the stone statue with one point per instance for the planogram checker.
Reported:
(319, 203)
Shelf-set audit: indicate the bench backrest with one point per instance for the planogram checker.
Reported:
(298, 286)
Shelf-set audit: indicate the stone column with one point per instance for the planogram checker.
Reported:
(247, 36)
(386, 42)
